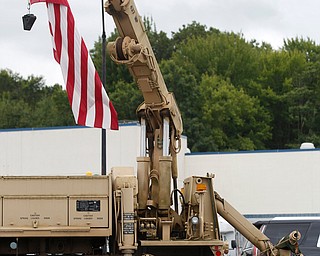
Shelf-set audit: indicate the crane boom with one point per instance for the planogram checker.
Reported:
(134, 49)
(159, 114)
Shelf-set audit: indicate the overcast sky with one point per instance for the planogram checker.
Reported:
(271, 21)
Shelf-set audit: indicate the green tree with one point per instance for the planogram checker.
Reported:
(8, 81)
(14, 113)
(53, 109)
(303, 98)
(126, 98)
(186, 90)
(29, 103)
(161, 45)
(224, 54)
(232, 120)
(193, 30)
(274, 77)
(232, 94)
(292, 74)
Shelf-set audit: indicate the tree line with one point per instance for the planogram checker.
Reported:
(233, 94)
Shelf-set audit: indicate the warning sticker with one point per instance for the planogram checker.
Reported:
(128, 228)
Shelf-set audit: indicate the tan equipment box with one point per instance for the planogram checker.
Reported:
(55, 206)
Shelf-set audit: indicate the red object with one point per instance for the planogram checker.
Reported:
(87, 97)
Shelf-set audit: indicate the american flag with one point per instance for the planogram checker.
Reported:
(87, 97)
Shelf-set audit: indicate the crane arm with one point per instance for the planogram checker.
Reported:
(133, 48)
(159, 114)
(254, 235)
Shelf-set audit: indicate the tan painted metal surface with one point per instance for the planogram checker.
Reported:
(55, 206)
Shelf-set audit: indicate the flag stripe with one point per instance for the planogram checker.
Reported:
(89, 101)
(114, 119)
(70, 63)
(57, 34)
(62, 27)
(90, 93)
(98, 105)
(84, 82)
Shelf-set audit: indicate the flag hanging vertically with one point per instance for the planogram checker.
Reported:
(87, 97)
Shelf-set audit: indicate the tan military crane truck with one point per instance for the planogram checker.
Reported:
(123, 213)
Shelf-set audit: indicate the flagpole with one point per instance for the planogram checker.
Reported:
(104, 133)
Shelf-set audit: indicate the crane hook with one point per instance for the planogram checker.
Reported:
(28, 19)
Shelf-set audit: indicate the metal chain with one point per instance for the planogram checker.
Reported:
(28, 6)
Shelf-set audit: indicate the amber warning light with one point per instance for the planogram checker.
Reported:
(201, 187)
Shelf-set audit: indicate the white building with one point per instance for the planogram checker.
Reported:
(257, 183)
(260, 184)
